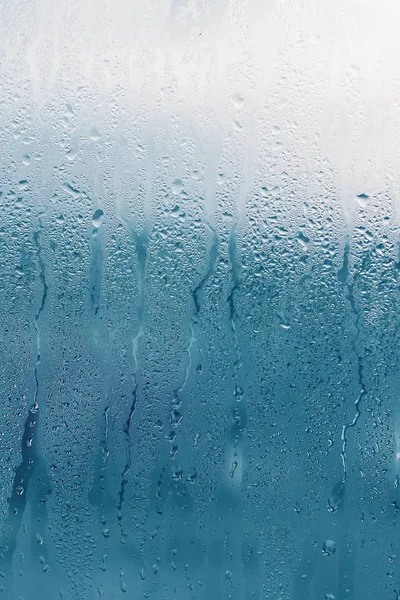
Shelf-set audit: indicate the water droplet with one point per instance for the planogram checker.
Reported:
(70, 190)
(238, 392)
(335, 499)
(175, 418)
(329, 547)
(71, 154)
(192, 478)
(94, 135)
(284, 322)
(20, 490)
(237, 101)
(220, 178)
(304, 241)
(177, 186)
(362, 200)
(233, 469)
(97, 218)
(329, 597)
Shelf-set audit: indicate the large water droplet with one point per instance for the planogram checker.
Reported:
(94, 135)
(329, 547)
(335, 499)
(237, 101)
(177, 186)
(97, 218)
(362, 200)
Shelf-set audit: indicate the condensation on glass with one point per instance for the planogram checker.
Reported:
(199, 299)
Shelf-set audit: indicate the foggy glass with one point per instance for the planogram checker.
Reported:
(199, 299)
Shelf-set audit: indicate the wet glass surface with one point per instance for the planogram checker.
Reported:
(199, 292)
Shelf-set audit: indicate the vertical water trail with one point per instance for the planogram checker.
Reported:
(104, 445)
(239, 412)
(99, 494)
(394, 490)
(31, 458)
(197, 291)
(140, 242)
(397, 422)
(98, 489)
(42, 278)
(309, 572)
(96, 269)
(175, 415)
(229, 541)
(96, 272)
(231, 297)
(343, 276)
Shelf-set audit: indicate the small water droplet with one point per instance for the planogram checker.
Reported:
(20, 490)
